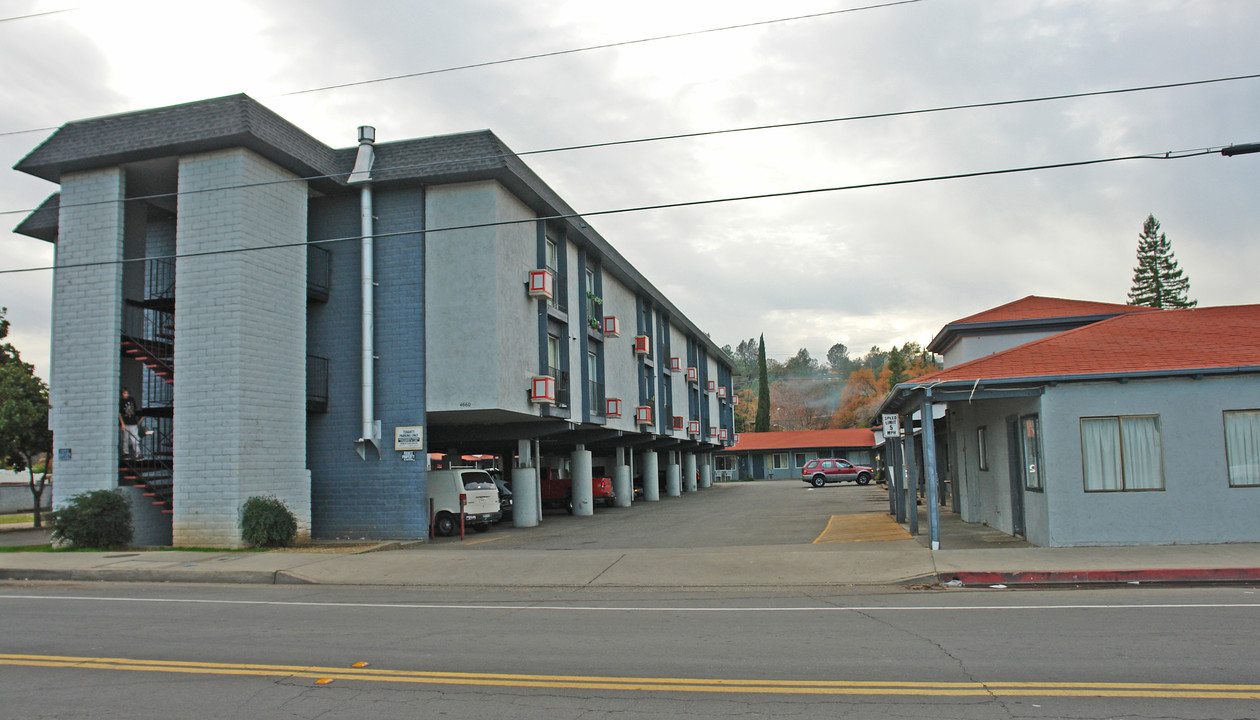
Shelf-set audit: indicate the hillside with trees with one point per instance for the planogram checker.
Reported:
(803, 393)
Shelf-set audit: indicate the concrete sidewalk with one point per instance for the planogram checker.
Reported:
(450, 564)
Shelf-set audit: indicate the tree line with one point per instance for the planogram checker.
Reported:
(804, 393)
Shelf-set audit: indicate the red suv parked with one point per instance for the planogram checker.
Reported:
(833, 470)
(558, 491)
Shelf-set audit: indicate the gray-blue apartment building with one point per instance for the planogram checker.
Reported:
(309, 322)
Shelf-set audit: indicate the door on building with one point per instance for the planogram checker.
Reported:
(1015, 453)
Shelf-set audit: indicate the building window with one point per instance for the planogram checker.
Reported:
(553, 256)
(1030, 435)
(800, 460)
(1122, 453)
(553, 356)
(982, 440)
(1242, 447)
(778, 461)
(595, 391)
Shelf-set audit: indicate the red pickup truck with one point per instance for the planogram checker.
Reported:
(558, 491)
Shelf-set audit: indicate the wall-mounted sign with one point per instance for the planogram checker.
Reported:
(409, 437)
(892, 425)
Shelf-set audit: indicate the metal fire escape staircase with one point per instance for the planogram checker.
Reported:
(148, 336)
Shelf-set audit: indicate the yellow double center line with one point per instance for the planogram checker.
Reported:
(637, 684)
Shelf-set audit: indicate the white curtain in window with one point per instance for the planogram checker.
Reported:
(1242, 447)
(1100, 450)
(1143, 456)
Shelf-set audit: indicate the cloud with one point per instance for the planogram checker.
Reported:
(863, 267)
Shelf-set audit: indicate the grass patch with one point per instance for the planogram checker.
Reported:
(25, 548)
(15, 519)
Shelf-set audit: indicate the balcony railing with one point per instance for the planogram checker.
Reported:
(318, 273)
(561, 298)
(562, 386)
(159, 279)
(316, 384)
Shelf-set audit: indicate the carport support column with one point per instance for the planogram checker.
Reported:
(929, 471)
(622, 486)
(673, 476)
(706, 470)
(525, 489)
(910, 487)
(689, 472)
(583, 493)
(651, 477)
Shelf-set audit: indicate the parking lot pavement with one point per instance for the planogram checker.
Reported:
(742, 514)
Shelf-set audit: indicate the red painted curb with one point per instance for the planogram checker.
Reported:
(1081, 577)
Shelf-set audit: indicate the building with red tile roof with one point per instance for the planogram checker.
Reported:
(780, 455)
(1018, 322)
(1141, 427)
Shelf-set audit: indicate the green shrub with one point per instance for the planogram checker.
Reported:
(99, 518)
(267, 522)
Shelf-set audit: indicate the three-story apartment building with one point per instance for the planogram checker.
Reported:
(309, 322)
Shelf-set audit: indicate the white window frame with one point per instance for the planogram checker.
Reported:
(778, 461)
(982, 440)
(1242, 447)
(1033, 468)
(1123, 464)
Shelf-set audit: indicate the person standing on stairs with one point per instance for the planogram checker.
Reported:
(129, 420)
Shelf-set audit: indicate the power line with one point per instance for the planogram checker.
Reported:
(537, 56)
(1170, 155)
(35, 15)
(700, 133)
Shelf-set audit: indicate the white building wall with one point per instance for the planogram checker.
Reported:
(678, 349)
(621, 365)
(240, 345)
(972, 347)
(481, 326)
(86, 327)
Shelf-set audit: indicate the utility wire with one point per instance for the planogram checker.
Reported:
(35, 15)
(681, 136)
(604, 46)
(1171, 155)
(537, 56)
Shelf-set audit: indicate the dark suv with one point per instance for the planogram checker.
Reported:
(833, 470)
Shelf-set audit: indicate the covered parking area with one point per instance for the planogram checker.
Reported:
(528, 451)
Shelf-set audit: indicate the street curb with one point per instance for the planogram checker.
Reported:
(234, 577)
(1101, 577)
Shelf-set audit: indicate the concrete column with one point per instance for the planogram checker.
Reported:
(524, 497)
(689, 472)
(86, 324)
(651, 477)
(929, 471)
(525, 487)
(583, 493)
(910, 488)
(706, 470)
(240, 345)
(673, 476)
(622, 484)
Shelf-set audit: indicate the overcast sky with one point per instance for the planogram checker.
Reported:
(863, 267)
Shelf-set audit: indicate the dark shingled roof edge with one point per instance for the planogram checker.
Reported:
(240, 121)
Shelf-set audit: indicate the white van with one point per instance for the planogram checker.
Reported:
(476, 487)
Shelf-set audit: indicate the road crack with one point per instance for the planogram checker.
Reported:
(610, 566)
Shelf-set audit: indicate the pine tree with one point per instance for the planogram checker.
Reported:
(762, 423)
(1157, 281)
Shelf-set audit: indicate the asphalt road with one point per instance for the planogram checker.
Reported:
(172, 651)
